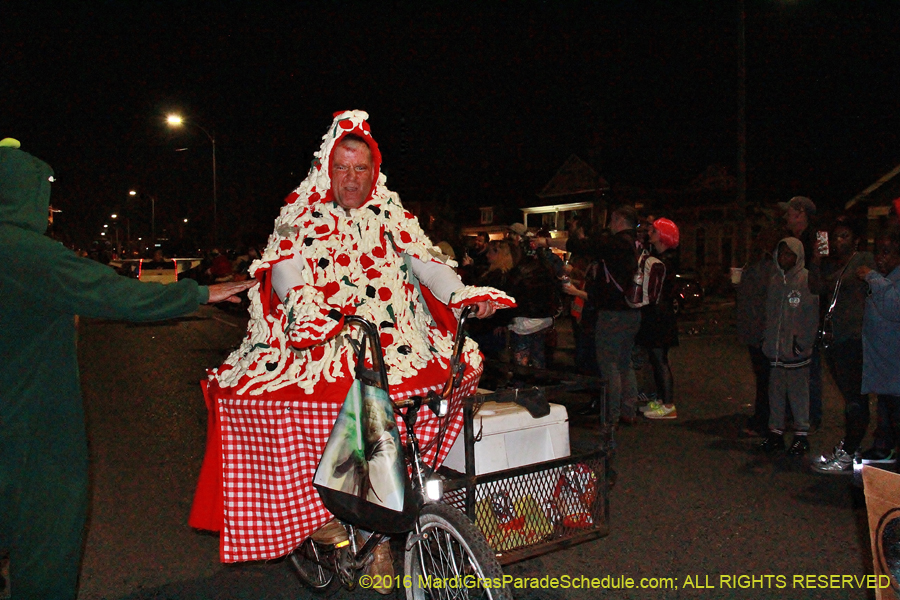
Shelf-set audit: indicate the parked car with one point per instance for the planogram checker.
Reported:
(688, 291)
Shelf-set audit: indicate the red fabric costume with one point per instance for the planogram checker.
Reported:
(273, 402)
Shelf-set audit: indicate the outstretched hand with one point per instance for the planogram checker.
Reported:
(227, 292)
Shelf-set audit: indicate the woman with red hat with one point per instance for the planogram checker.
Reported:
(659, 327)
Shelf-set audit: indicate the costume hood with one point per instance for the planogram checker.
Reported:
(317, 185)
(796, 247)
(24, 190)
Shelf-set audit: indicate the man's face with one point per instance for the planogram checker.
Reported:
(351, 174)
(842, 241)
(887, 255)
(786, 257)
(480, 243)
(796, 219)
(617, 223)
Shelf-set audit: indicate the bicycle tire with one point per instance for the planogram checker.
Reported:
(452, 549)
(304, 564)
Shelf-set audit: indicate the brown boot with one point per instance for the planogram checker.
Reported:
(331, 533)
(381, 569)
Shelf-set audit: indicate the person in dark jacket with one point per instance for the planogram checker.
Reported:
(750, 321)
(659, 326)
(43, 446)
(535, 288)
(834, 279)
(614, 322)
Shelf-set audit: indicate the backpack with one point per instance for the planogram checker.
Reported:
(646, 286)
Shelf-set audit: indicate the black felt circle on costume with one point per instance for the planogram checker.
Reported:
(370, 291)
(404, 349)
(271, 366)
(385, 324)
(335, 314)
(323, 262)
(374, 209)
(308, 241)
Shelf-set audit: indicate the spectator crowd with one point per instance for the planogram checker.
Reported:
(810, 295)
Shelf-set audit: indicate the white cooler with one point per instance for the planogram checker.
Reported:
(510, 437)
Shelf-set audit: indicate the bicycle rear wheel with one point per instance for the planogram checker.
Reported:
(452, 560)
(305, 562)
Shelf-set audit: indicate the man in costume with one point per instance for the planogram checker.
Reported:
(343, 244)
(43, 446)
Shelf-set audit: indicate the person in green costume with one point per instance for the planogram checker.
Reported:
(43, 446)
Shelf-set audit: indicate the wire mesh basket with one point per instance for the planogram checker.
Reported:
(535, 509)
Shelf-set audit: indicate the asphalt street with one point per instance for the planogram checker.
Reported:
(694, 507)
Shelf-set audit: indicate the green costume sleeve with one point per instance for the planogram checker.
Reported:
(53, 279)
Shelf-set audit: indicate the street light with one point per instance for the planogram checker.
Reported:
(114, 217)
(152, 214)
(177, 121)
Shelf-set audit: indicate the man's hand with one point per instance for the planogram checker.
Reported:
(862, 271)
(484, 309)
(227, 292)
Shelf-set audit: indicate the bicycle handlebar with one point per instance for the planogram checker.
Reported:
(378, 366)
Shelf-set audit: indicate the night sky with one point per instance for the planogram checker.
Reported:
(475, 103)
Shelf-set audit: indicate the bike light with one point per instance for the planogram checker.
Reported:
(438, 405)
(434, 489)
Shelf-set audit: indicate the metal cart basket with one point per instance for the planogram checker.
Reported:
(538, 508)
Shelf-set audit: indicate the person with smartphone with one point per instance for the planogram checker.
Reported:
(833, 277)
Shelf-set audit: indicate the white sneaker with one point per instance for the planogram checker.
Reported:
(665, 411)
(840, 463)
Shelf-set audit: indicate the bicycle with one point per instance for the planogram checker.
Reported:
(444, 554)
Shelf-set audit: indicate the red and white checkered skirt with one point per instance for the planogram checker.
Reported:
(262, 452)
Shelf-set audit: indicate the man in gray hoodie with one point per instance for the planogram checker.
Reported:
(792, 319)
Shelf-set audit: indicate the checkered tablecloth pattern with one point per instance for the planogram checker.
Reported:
(270, 450)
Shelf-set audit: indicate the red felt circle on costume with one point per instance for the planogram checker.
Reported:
(346, 124)
(331, 288)
(378, 252)
(366, 261)
(384, 293)
(286, 244)
(343, 260)
(405, 237)
(317, 352)
(386, 339)
(373, 274)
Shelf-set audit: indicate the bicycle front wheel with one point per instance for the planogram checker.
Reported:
(452, 559)
(306, 563)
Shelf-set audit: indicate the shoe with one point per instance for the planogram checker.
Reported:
(774, 442)
(879, 457)
(652, 405)
(838, 463)
(824, 458)
(799, 446)
(665, 411)
(330, 534)
(381, 569)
